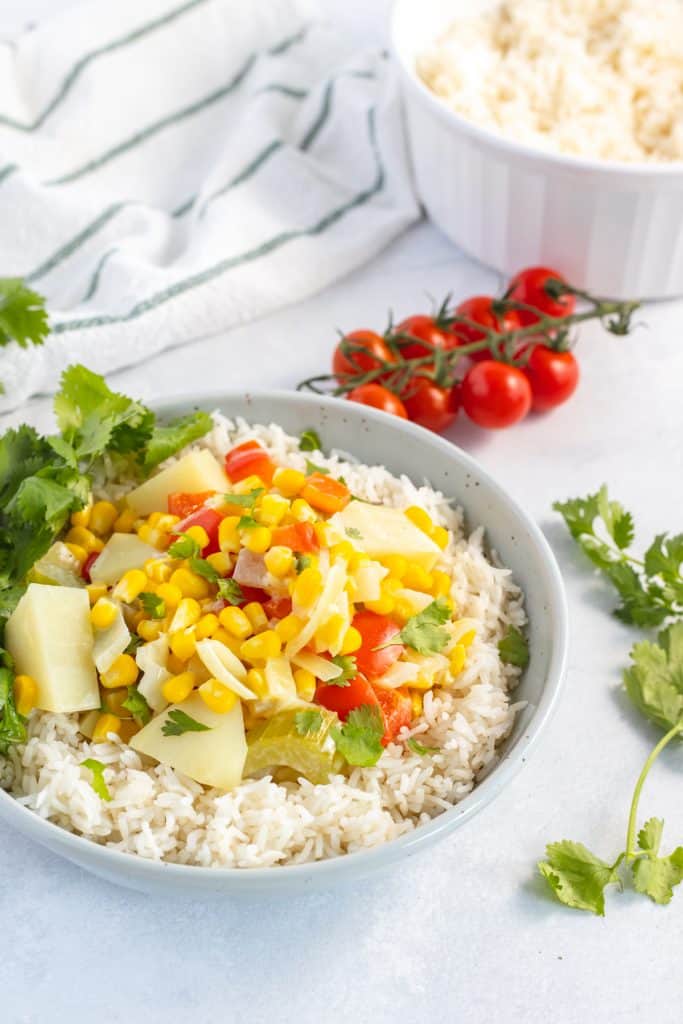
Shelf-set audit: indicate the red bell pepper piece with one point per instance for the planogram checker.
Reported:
(299, 537)
(183, 504)
(249, 459)
(88, 564)
(209, 519)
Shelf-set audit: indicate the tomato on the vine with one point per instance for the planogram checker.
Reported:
(429, 405)
(529, 287)
(373, 352)
(427, 333)
(378, 397)
(553, 377)
(480, 309)
(495, 395)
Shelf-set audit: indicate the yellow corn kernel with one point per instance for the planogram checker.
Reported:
(105, 724)
(158, 570)
(190, 584)
(178, 688)
(440, 536)
(217, 696)
(307, 587)
(183, 644)
(256, 615)
(150, 629)
(187, 614)
(79, 553)
(230, 641)
(272, 509)
(199, 535)
(82, 517)
(25, 694)
(321, 531)
(344, 549)
(175, 665)
(457, 659)
(122, 672)
(416, 702)
(420, 518)
(417, 578)
(262, 646)
(423, 683)
(235, 622)
(467, 638)
(228, 536)
(288, 481)
(441, 583)
(103, 613)
(305, 683)
(279, 561)
(256, 681)
(103, 515)
(257, 539)
(84, 538)
(96, 591)
(396, 564)
(221, 562)
(249, 484)
(301, 511)
(125, 522)
(289, 627)
(150, 535)
(165, 522)
(403, 610)
(352, 641)
(207, 626)
(390, 585)
(170, 594)
(112, 701)
(130, 586)
(332, 632)
(383, 606)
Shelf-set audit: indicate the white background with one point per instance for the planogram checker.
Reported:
(463, 932)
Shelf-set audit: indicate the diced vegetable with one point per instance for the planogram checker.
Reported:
(224, 666)
(214, 757)
(376, 630)
(297, 740)
(182, 504)
(249, 459)
(343, 699)
(381, 531)
(151, 659)
(325, 493)
(209, 520)
(198, 471)
(321, 668)
(300, 537)
(122, 552)
(50, 638)
(58, 566)
(111, 642)
(282, 691)
(397, 712)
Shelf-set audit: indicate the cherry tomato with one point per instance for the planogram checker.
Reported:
(181, 504)
(300, 537)
(553, 377)
(379, 398)
(375, 352)
(344, 699)
(480, 309)
(249, 459)
(376, 630)
(529, 286)
(495, 395)
(277, 607)
(209, 519)
(431, 406)
(397, 711)
(428, 333)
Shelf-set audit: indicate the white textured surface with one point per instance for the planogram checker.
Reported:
(462, 933)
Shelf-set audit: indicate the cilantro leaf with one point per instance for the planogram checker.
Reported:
(243, 500)
(23, 317)
(513, 648)
(618, 522)
(133, 644)
(201, 567)
(359, 738)
(184, 547)
(310, 441)
(97, 782)
(349, 670)
(311, 468)
(230, 591)
(664, 557)
(12, 727)
(425, 632)
(307, 722)
(137, 705)
(93, 418)
(653, 875)
(654, 681)
(419, 748)
(302, 562)
(152, 605)
(577, 877)
(247, 523)
(169, 439)
(579, 514)
(178, 722)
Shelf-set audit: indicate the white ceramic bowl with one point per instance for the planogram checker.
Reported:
(373, 437)
(614, 228)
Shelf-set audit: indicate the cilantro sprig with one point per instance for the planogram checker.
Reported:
(179, 722)
(349, 670)
(359, 738)
(23, 317)
(425, 632)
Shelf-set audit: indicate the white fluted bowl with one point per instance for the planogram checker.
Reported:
(613, 228)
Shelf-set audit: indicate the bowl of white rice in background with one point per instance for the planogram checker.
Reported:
(162, 832)
(551, 132)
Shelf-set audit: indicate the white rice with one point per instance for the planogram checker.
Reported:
(600, 78)
(159, 814)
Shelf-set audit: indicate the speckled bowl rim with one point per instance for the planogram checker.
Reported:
(138, 872)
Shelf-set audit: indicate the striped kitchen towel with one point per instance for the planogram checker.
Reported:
(169, 169)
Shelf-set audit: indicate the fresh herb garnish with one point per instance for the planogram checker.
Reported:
(230, 591)
(349, 670)
(311, 468)
(302, 562)
(425, 631)
(513, 648)
(310, 442)
(152, 605)
(178, 722)
(247, 523)
(243, 500)
(12, 727)
(419, 748)
(137, 705)
(23, 317)
(167, 440)
(307, 722)
(359, 739)
(353, 532)
(184, 547)
(133, 643)
(97, 782)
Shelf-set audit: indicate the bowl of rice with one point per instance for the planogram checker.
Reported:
(551, 133)
(160, 830)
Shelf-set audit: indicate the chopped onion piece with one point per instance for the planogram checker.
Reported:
(110, 642)
(224, 666)
(401, 673)
(151, 660)
(324, 607)
(320, 667)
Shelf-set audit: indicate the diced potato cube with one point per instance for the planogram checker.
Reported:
(50, 638)
(381, 531)
(123, 551)
(198, 471)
